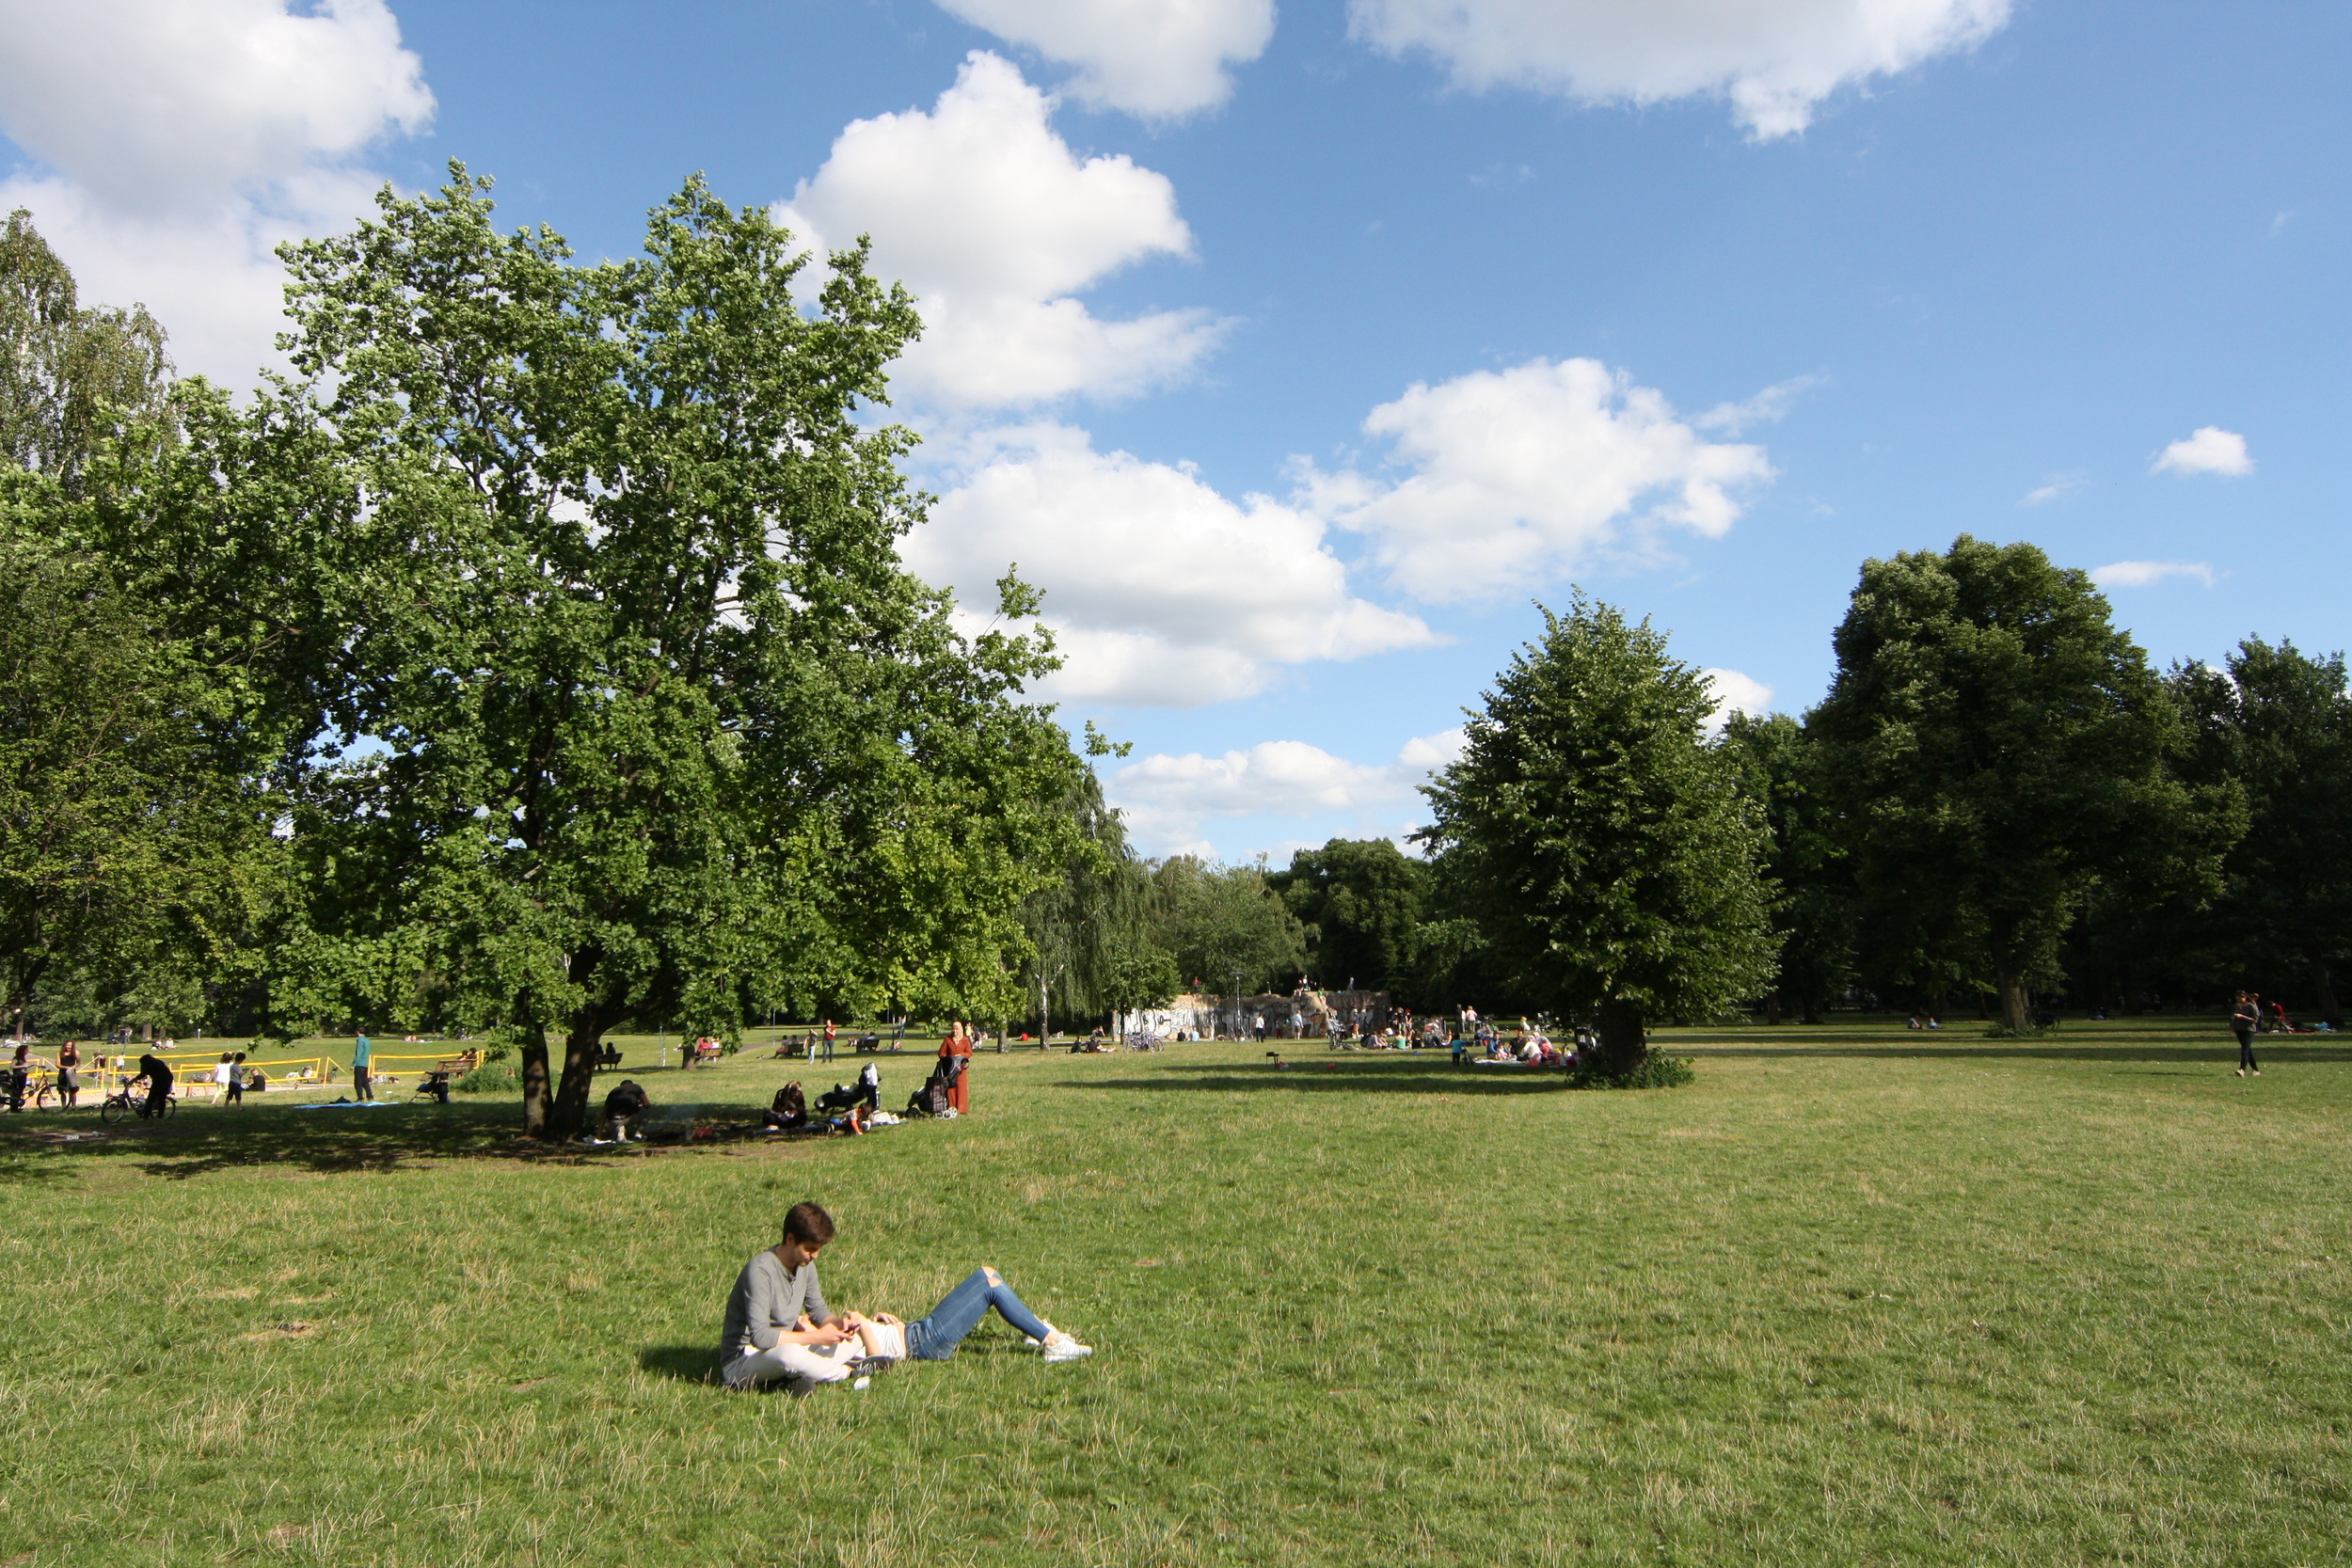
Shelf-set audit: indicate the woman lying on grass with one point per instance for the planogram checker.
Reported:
(779, 1330)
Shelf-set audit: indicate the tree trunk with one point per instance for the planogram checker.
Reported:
(1771, 1007)
(2017, 1008)
(1811, 1011)
(1622, 1042)
(582, 1042)
(2323, 992)
(535, 1105)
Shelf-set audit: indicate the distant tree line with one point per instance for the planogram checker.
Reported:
(1999, 807)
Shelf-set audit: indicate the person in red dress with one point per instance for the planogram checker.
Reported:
(958, 1043)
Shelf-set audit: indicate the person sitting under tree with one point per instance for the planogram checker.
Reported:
(779, 1330)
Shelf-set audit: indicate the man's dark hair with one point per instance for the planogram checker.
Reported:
(808, 1224)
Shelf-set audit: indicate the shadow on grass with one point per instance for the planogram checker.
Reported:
(2224, 1053)
(204, 1139)
(1326, 1075)
(683, 1363)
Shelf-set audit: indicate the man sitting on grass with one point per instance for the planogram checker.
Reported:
(780, 1331)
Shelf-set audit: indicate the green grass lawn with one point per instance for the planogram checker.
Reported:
(1858, 1296)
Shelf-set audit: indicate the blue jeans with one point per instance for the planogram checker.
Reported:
(936, 1337)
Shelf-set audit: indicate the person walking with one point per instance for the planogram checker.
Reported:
(236, 1080)
(224, 1074)
(362, 1053)
(2245, 1018)
(958, 1043)
(69, 1074)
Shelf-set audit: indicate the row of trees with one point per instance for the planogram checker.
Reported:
(535, 657)
(1998, 801)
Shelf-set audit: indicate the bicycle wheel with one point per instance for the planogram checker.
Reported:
(114, 1109)
(46, 1098)
(172, 1103)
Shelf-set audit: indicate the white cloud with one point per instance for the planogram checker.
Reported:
(993, 222)
(1163, 591)
(1736, 693)
(183, 139)
(1768, 407)
(2147, 574)
(2210, 450)
(1526, 474)
(1775, 59)
(1160, 59)
(1167, 800)
(2054, 487)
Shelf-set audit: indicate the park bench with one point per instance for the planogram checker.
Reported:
(609, 1057)
(458, 1066)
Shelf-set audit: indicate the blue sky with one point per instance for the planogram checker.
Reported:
(1296, 350)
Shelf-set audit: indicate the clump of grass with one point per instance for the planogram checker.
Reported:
(1656, 1071)
(490, 1078)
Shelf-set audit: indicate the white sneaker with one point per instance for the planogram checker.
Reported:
(1062, 1347)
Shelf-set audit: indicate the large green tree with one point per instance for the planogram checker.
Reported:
(1361, 902)
(74, 379)
(129, 840)
(1614, 864)
(1090, 927)
(2278, 723)
(1994, 747)
(606, 698)
(1223, 921)
(1814, 905)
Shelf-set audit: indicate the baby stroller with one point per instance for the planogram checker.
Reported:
(931, 1098)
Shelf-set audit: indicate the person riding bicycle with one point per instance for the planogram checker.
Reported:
(158, 1075)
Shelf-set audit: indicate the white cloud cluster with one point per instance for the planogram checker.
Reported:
(1167, 800)
(1775, 61)
(2209, 451)
(986, 214)
(1159, 59)
(1526, 474)
(183, 139)
(2147, 574)
(1162, 592)
(1736, 693)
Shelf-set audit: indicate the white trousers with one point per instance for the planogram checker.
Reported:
(805, 1365)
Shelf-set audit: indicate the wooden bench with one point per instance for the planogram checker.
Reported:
(459, 1065)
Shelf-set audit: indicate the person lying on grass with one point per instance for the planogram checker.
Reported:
(780, 1331)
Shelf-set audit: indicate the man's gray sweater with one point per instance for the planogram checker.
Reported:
(766, 1301)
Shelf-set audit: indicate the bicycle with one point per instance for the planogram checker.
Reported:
(124, 1101)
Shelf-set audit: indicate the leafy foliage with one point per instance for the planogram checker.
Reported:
(601, 563)
(1216, 920)
(128, 840)
(1613, 861)
(1814, 910)
(1361, 903)
(72, 380)
(1994, 747)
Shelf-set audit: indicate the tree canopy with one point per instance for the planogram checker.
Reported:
(602, 693)
(1361, 902)
(1994, 747)
(1607, 846)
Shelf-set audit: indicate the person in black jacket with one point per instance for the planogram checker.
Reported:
(159, 1080)
(622, 1107)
